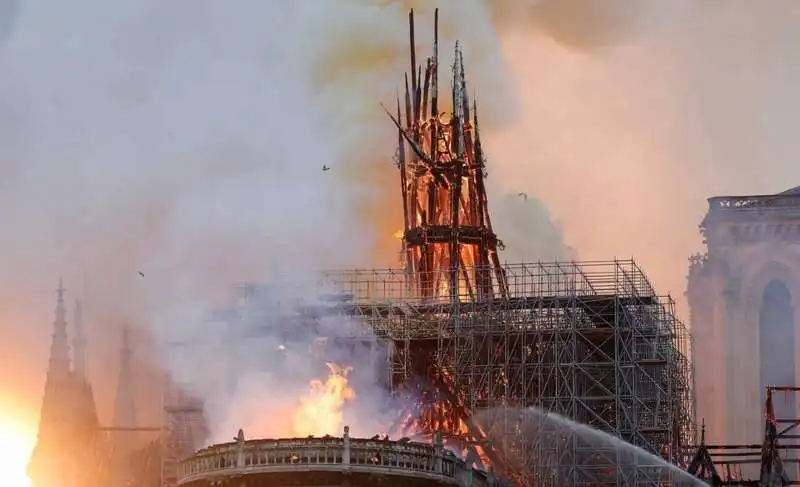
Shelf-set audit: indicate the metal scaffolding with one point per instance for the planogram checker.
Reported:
(472, 343)
(590, 341)
(184, 430)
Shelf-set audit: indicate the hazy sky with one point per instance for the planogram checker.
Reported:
(185, 139)
(624, 137)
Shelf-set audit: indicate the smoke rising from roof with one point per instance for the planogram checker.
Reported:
(185, 139)
(576, 24)
(624, 142)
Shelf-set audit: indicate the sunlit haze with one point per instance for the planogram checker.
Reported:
(16, 443)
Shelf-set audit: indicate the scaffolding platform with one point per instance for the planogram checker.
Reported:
(590, 341)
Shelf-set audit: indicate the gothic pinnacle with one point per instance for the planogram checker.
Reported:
(59, 349)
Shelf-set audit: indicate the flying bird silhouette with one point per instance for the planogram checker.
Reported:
(325, 168)
(523, 195)
(141, 274)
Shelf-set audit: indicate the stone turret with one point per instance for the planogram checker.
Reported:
(65, 450)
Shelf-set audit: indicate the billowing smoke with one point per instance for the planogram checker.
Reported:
(186, 139)
(576, 24)
(280, 372)
(624, 141)
(161, 139)
(9, 9)
(518, 217)
(157, 153)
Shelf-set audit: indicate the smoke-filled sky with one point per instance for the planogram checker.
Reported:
(184, 139)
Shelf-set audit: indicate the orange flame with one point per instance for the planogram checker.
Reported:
(320, 411)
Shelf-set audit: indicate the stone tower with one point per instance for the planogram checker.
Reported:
(65, 454)
(741, 294)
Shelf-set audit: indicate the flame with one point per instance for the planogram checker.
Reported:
(446, 415)
(398, 235)
(320, 411)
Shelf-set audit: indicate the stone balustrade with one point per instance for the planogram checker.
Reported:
(753, 203)
(330, 454)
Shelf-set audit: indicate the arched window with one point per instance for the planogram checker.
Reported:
(776, 343)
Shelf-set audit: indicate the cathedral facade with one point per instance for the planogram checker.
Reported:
(742, 294)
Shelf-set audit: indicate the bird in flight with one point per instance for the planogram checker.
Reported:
(523, 196)
(325, 168)
(141, 274)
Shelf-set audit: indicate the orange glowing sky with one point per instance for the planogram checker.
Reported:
(17, 439)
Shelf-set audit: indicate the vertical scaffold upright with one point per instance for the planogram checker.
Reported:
(184, 429)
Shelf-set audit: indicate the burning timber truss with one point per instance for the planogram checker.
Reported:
(448, 239)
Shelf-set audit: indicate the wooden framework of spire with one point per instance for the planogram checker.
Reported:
(450, 247)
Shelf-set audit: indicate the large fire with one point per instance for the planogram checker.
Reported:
(320, 411)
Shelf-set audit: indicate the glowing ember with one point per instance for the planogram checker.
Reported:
(398, 235)
(320, 412)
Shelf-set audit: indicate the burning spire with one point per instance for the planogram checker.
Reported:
(451, 249)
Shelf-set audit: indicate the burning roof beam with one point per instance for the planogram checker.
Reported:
(451, 250)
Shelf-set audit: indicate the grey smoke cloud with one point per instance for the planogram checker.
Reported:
(9, 9)
(252, 371)
(159, 138)
(528, 230)
(624, 142)
(185, 140)
(577, 24)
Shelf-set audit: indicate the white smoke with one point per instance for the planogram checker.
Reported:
(258, 366)
(185, 140)
(527, 230)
